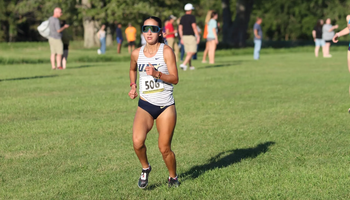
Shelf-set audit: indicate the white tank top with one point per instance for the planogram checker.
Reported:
(153, 90)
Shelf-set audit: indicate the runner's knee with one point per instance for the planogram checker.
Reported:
(138, 143)
(165, 151)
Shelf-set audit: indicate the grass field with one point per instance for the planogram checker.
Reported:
(276, 128)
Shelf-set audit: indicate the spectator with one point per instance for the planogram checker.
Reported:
(257, 38)
(164, 32)
(101, 34)
(317, 35)
(212, 36)
(327, 36)
(199, 30)
(66, 37)
(55, 38)
(130, 33)
(205, 33)
(188, 33)
(181, 46)
(170, 35)
(119, 37)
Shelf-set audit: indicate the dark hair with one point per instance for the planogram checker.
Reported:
(319, 23)
(213, 14)
(159, 21)
(63, 22)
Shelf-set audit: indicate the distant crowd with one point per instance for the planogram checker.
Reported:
(181, 34)
(323, 34)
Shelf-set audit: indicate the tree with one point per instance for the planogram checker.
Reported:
(235, 32)
(89, 24)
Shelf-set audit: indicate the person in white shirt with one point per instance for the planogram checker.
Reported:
(101, 34)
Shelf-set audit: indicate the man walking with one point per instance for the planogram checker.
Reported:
(130, 33)
(189, 35)
(257, 38)
(55, 38)
(119, 37)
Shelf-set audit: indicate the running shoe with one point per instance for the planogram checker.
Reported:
(143, 180)
(192, 68)
(183, 67)
(173, 182)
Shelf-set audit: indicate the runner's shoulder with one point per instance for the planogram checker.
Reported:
(135, 53)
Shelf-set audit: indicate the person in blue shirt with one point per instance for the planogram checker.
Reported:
(343, 32)
(212, 36)
(257, 38)
(119, 36)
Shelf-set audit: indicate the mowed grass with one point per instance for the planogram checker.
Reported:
(270, 129)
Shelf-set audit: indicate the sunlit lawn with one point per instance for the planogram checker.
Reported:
(270, 129)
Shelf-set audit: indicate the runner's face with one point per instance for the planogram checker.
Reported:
(151, 38)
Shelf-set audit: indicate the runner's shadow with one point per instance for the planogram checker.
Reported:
(225, 159)
(221, 65)
(27, 78)
(221, 160)
(81, 66)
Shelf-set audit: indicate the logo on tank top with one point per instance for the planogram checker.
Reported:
(142, 67)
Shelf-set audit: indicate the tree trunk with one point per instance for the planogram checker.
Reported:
(89, 33)
(240, 25)
(235, 33)
(89, 26)
(227, 22)
(109, 37)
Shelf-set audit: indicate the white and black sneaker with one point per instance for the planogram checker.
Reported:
(183, 67)
(173, 182)
(143, 180)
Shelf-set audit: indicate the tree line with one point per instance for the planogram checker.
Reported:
(282, 20)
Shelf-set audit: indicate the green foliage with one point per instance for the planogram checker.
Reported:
(295, 20)
(283, 20)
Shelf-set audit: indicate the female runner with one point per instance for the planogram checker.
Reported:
(157, 71)
(343, 32)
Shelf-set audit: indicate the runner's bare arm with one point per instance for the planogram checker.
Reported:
(343, 32)
(133, 73)
(169, 58)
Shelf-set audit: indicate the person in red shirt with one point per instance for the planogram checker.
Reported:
(170, 35)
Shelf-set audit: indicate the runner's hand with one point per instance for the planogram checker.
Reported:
(150, 70)
(335, 38)
(133, 93)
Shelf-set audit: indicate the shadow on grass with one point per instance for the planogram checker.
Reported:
(221, 65)
(225, 159)
(221, 160)
(81, 66)
(27, 78)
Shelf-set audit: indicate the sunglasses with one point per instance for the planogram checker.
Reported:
(154, 29)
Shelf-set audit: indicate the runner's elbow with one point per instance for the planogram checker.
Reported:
(176, 81)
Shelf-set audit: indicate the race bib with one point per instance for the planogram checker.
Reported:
(151, 85)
